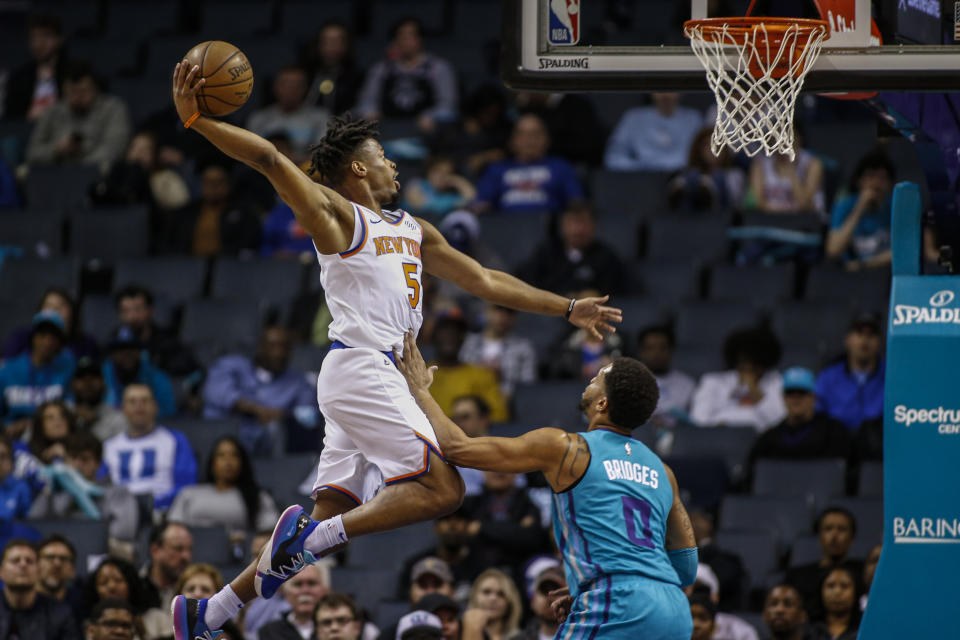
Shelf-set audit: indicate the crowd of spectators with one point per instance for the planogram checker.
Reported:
(85, 417)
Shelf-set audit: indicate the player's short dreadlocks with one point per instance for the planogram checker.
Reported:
(344, 135)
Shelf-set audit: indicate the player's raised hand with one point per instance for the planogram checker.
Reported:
(590, 314)
(185, 90)
(418, 375)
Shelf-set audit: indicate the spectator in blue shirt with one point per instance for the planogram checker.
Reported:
(128, 362)
(860, 224)
(655, 138)
(41, 374)
(851, 390)
(531, 181)
(62, 303)
(283, 236)
(148, 458)
(14, 493)
(266, 393)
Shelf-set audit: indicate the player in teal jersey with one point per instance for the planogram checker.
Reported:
(626, 538)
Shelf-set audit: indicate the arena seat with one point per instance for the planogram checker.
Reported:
(74, 16)
(797, 356)
(300, 19)
(637, 194)
(59, 187)
(234, 21)
(212, 544)
(816, 480)
(35, 232)
(757, 286)
(88, 536)
(868, 513)
(283, 476)
(216, 327)
(390, 549)
(865, 290)
(620, 231)
(125, 23)
(785, 517)
(307, 357)
(367, 586)
(812, 326)
(704, 479)
(471, 22)
(757, 550)
(805, 550)
(668, 282)
(386, 13)
(110, 234)
(176, 278)
(709, 323)
(28, 278)
(276, 282)
(638, 313)
(164, 52)
(543, 331)
(201, 434)
(696, 361)
(98, 317)
(513, 237)
(871, 479)
(17, 312)
(682, 237)
(730, 443)
(389, 612)
(549, 404)
(112, 55)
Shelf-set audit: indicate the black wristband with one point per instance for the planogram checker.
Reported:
(573, 301)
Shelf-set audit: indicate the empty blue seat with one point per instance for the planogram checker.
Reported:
(300, 19)
(668, 282)
(389, 612)
(639, 313)
(216, 327)
(696, 361)
(59, 187)
(757, 551)
(112, 55)
(88, 536)
(816, 480)
(703, 480)
(682, 237)
(176, 278)
(28, 278)
(212, 544)
(283, 476)
(110, 234)
(276, 282)
(730, 443)
(367, 586)
(620, 232)
(818, 327)
(125, 21)
(543, 331)
(866, 290)
(786, 517)
(390, 549)
(871, 479)
(549, 404)
(202, 434)
(34, 232)
(757, 286)
(307, 357)
(805, 550)
(513, 237)
(386, 13)
(98, 317)
(234, 21)
(868, 513)
(709, 323)
(628, 194)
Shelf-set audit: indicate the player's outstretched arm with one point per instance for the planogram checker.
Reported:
(443, 261)
(562, 457)
(323, 213)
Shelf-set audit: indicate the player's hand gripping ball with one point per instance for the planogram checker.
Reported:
(227, 75)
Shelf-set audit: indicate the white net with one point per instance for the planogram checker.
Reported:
(756, 77)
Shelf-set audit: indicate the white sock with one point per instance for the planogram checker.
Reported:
(325, 535)
(221, 607)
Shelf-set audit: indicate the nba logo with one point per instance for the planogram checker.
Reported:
(564, 22)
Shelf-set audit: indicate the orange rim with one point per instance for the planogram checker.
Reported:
(738, 28)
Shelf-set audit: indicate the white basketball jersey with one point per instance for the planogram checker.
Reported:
(373, 290)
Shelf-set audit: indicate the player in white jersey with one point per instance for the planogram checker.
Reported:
(381, 467)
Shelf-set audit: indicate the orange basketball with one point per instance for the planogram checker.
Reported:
(228, 74)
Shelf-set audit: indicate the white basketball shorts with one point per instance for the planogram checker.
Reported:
(375, 433)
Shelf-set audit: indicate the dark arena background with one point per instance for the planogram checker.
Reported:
(570, 150)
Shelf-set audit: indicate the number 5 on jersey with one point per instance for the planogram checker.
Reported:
(410, 273)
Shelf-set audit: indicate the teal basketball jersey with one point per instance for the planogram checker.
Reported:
(614, 520)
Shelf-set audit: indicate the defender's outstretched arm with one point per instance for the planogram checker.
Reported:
(323, 213)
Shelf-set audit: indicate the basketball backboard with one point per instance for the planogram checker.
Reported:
(581, 45)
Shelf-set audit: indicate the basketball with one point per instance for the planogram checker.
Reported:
(228, 74)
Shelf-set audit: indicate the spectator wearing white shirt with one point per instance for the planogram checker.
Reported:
(655, 349)
(148, 458)
(750, 392)
(291, 114)
(655, 138)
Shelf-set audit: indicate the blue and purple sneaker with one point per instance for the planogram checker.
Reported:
(188, 623)
(284, 555)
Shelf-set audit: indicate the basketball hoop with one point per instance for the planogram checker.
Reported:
(755, 67)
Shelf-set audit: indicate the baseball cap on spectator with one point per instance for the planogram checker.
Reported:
(49, 321)
(434, 566)
(434, 602)
(550, 579)
(537, 566)
(87, 366)
(124, 338)
(708, 578)
(461, 229)
(867, 320)
(421, 624)
(798, 379)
